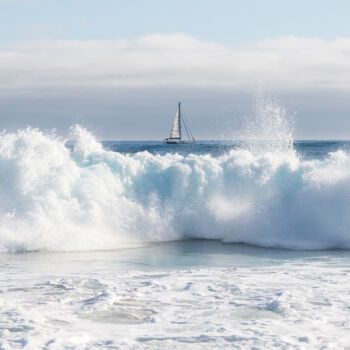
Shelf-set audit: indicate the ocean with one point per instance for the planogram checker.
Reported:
(141, 245)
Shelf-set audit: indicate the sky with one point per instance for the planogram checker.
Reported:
(120, 67)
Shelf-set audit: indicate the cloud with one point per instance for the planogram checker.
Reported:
(288, 63)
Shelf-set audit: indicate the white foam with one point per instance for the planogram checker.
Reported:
(276, 306)
(53, 198)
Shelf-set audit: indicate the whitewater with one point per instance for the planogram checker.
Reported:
(139, 245)
(87, 197)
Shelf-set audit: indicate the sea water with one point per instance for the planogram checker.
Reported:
(128, 245)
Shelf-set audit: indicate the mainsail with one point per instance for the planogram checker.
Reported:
(176, 129)
(175, 134)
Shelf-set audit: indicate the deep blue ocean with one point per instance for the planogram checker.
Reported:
(307, 149)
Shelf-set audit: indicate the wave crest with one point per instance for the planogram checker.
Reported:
(86, 198)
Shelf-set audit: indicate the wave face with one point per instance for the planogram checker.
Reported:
(85, 198)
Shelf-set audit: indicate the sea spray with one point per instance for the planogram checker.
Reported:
(84, 197)
(268, 129)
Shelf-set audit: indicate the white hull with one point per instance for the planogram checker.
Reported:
(174, 142)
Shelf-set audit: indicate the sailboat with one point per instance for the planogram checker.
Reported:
(176, 130)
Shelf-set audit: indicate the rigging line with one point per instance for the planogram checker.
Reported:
(185, 125)
(189, 134)
(188, 126)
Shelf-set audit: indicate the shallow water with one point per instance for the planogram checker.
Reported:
(188, 254)
(188, 294)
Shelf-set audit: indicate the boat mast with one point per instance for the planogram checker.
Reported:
(179, 118)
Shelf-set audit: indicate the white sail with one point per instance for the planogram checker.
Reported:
(175, 134)
(176, 129)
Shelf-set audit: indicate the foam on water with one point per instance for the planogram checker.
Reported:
(298, 304)
(86, 198)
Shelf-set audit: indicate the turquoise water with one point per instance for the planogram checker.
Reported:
(190, 254)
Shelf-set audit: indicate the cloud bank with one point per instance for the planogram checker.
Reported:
(288, 63)
(111, 86)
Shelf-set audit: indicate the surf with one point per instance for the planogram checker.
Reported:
(84, 197)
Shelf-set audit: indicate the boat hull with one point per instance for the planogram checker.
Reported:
(174, 142)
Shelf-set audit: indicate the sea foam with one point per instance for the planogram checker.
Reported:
(86, 198)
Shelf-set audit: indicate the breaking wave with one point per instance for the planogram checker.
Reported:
(86, 198)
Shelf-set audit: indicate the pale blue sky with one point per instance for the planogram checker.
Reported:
(224, 21)
(119, 67)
